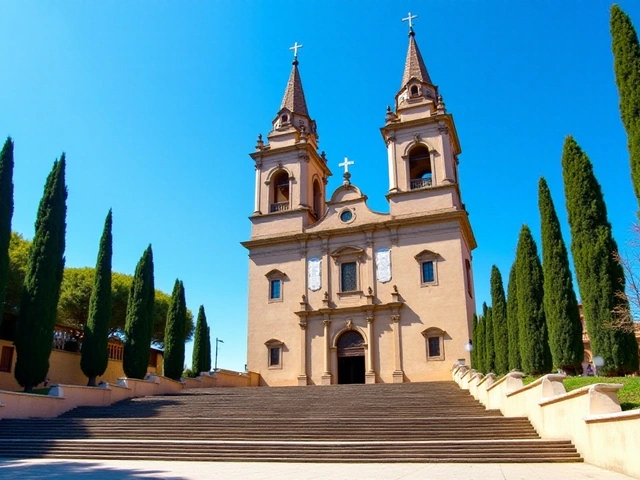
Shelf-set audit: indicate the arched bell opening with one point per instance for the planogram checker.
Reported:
(351, 364)
(280, 192)
(420, 169)
(317, 199)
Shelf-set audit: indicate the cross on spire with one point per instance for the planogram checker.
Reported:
(409, 19)
(346, 164)
(295, 50)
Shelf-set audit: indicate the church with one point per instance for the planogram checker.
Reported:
(339, 293)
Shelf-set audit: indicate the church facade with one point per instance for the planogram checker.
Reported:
(339, 293)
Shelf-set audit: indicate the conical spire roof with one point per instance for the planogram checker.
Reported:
(294, 95)
(414, 65)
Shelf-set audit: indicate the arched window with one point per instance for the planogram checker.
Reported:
(280, 192)
(420, 171)
(317, 199)
(414, 90)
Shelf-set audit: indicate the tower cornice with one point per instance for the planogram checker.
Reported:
(389, 130)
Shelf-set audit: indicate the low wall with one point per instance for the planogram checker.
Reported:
(590, 417)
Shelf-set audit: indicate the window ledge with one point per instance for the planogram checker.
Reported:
(354, 293)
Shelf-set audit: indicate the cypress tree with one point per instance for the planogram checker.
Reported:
(139, 321)
(489, 341)
(560, 303)
(534, 341)
(174, 333)
(600, 277)
(6, 212)
(480, 347)
(95, 355)
(499, 319)
(41, 289)
(626, 63)
(474, 341)
(200, 362)
(512, 321)
(207, 364)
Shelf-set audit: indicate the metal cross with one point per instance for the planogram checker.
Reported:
(409, 18)
(295, 49)
(346, 164)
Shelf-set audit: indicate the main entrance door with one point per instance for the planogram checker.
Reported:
(350, 357)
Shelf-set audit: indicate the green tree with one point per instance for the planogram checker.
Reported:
(534, 341)
(95, 356)
(201, 361)
(39, 300)
(6, 212)
(489, 341)
(480, 346)
(626, 63)
(512, 321)
(474, 341)
(560, 303)
(138, 325)
(600, 275)
(19, 251)
(174, 333)
(499, 319)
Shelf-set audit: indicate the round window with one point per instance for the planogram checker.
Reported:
(346, 216)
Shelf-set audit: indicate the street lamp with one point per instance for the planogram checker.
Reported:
(469, 346)
(598, 362)
(215, 367)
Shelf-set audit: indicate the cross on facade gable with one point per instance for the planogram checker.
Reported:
(346, 164)
(409, 19)
(295, 49)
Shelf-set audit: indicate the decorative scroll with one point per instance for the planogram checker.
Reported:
(315, 275)
(383, 265)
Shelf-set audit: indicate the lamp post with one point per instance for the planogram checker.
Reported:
(215, 366)
(598, 362)
(468, 347)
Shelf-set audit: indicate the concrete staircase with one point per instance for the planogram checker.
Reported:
(414, 422)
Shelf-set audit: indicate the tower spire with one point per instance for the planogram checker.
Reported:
(414, 66)
(293, 99)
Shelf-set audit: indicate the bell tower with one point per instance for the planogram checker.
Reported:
(291, 177)
(422, 143)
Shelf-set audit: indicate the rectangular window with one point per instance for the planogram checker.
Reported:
(434, 346)
(274, 290)
(468, 269)
(274, 356)
(427, 272)
(6, 359)
(348, 277)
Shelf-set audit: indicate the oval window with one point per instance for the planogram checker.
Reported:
(346, 216)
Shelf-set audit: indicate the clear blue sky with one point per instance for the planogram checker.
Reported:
(157, 105)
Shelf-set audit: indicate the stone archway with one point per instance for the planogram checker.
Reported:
(351, 365)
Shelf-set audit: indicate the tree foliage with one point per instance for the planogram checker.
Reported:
(19, 250)
(138, 325)
(512, 321)
(480, 346)
(499, 319)
(6, 212)
(489, 341)
(534, 341)
(201, 360)
(95, 355)
(41, 288)
(626, 56)
(599, 273)
(560, 303)
(174, 333)
(474, 341)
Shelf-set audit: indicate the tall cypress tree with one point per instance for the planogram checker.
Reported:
(208, 361)
(95, 355)
(600, 277)
(626, 56)
(512, 321)
(560, 303)
(474, 341)
(534, 341)
(174, 333)
(6, 212)
(480, 347)
(41, 289)
(489, 341)
(499, 319)
(200, 340)
(139, 321)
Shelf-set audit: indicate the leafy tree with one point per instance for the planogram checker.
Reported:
(39, 300)
(480, 346)
(6, 212)
(489, 347)
(534, 341)
(138, 325)
(560, 303)
(499, 319)
(95, 356)
(19, 250)
(599, 273)
(201, 361)
(512, 321)
(626, 56)
(474, 340)
(174, 333)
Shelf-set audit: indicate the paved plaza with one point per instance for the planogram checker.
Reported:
(114, 469)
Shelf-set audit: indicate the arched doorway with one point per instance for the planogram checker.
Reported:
(350, 357)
